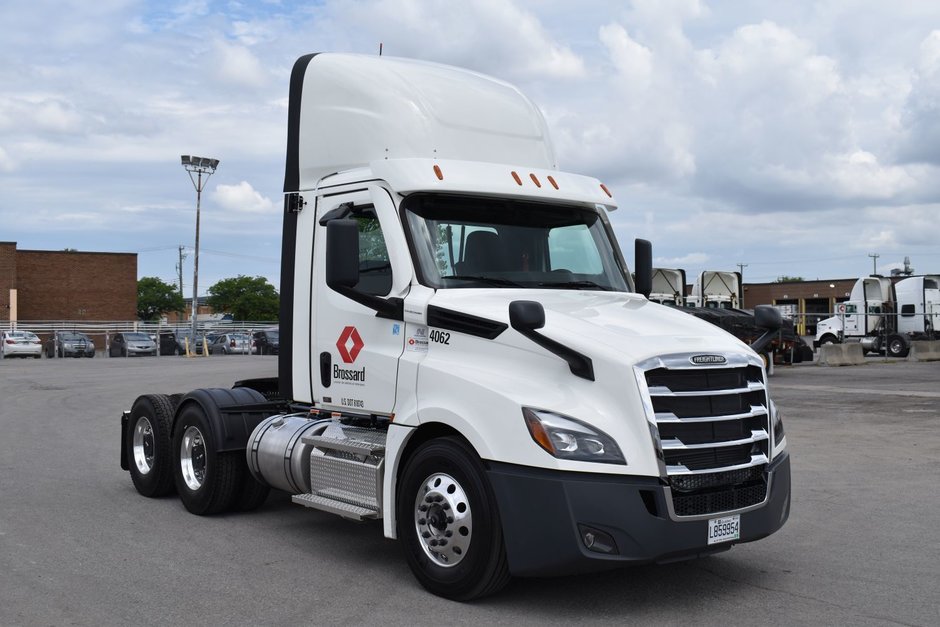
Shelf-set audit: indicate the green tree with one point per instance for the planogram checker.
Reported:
(246, 298)
(154, 297)
(789, 279)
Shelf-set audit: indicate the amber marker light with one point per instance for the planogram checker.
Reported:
(551, 180)
(516, 178)
(606, 191)
(535, 180)
(537, 431)
(438, 173)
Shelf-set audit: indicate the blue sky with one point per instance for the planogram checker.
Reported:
(794, 137)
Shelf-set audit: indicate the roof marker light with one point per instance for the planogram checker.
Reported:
(438, 173)
(552, 181)
(516, 177)
(606, 191)
(535, 180)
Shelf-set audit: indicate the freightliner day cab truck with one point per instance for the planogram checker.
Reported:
(885, 316)
(465, 356)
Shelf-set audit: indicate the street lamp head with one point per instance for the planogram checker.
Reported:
(199, 164)
(184, 159)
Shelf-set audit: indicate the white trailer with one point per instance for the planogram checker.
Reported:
(464, 355)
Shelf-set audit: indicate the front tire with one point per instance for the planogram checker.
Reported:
(207, 481)
(449, 523)
(148, 445)
(897, 347)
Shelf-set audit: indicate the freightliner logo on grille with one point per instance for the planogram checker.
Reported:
(703, 360)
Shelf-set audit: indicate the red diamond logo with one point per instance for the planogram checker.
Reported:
(349, 344)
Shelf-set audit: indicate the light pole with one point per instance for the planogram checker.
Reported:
(200, 166)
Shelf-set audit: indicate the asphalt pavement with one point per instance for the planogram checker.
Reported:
(79, 546)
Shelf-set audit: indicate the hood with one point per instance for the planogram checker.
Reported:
(614, 324)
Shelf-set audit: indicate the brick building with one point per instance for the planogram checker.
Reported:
(67, 285)
(808, 301)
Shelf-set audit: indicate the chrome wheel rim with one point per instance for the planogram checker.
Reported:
(443, 520)
(193, 458)
(143, 445)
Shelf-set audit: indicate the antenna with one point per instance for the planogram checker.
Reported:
(874, 262)
(380, 48)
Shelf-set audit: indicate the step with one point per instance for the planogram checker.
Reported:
(326, 504)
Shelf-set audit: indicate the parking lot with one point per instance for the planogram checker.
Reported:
(78, 545)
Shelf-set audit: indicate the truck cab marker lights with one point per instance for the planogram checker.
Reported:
(551, 180)
(535, 180)
(606, 191)
(438, 173)
(516, 178)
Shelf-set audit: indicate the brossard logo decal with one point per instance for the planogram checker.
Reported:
(706, 360)
(349, 345)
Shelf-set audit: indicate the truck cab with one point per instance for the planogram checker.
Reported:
(716, 289)
(465, 355)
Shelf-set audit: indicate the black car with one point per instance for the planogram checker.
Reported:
(265, 342)
(174, 341)
(69, 344)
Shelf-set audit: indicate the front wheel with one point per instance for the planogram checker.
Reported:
(449, 523)
(897, 347)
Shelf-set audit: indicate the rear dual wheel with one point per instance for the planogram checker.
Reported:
(148, 444)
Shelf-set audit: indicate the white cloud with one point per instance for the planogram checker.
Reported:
(237, 65)
(6, 161)
(242, 198)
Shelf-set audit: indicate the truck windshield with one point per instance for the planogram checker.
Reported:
(476, 242)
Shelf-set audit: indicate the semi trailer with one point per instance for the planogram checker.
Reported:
(465, 356)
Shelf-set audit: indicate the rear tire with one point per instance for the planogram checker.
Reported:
(148, 445)
(206, 481)
(449, 524)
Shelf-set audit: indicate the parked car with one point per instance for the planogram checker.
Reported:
(20, 344)
(229, 344)
(202, 340)
(173, 341)
(127, 344)
(69, 344)
(265, 342)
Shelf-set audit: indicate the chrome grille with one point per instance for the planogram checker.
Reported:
(710, 425)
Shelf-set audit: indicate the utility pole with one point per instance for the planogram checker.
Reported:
(741, 267)
(874, 262)
(179, 276)
(199, 165)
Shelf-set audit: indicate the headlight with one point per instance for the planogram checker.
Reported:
(567, 438)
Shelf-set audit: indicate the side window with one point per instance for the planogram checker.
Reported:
(571, 248)
(907, 310)
(850, 309)
(375, 268)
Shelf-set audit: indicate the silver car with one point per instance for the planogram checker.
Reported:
(230, 344)
(127, 344)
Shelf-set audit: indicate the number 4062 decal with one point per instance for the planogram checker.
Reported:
(439, 337)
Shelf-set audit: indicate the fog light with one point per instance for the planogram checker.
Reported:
(597, 540)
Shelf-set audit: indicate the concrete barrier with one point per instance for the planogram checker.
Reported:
(850, 354)
(924, 351)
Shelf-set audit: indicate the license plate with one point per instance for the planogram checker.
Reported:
(724, 529)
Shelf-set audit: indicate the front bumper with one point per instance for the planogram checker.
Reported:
(541, 511)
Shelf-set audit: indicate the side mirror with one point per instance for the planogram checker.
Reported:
(342, 254)
(526, 315)
(767, 317)
(643, 266)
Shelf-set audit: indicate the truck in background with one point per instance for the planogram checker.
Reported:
(884, 316)
(717, 289)
(464, 355)
(668, 287)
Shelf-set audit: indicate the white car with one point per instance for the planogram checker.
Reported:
(20, 344)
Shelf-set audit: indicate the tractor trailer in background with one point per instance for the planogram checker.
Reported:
(715, 289)
(884, 316)
(465, 356)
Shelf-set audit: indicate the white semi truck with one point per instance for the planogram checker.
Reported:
(715, 289)
(885, 316)
(668, 287)
(464, 355)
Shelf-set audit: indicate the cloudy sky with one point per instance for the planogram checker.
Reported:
(795, 137)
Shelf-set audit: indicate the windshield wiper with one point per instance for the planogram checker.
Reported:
(577, 285)
(483, 279)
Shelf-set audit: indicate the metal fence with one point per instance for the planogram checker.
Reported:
(102, 332)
